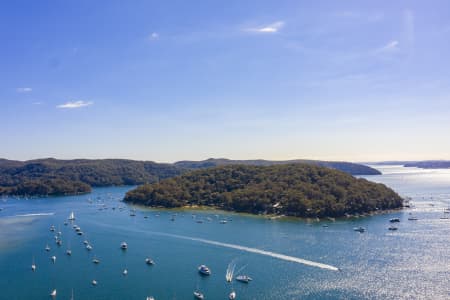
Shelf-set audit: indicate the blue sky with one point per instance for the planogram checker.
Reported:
(174, 80)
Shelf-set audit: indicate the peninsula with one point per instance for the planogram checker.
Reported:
(301, 190)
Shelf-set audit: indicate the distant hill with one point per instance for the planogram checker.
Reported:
(425, 164)
(64, 177)
(351, 168)
(429, 164)
(303, 190)
(58, 177)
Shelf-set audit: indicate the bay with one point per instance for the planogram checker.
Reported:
(409, 263)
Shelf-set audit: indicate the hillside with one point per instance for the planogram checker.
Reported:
(351, 168)
(59, 177)
(302, 190)
(63, 177)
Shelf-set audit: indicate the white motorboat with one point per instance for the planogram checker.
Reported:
(232, 295)
(244, 278)
(204, 270)
(124, 246)
(198, 295)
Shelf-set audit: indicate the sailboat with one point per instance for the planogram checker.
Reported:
(53, 258)
(125, 272)
(33, 265)
(47, 248)
(68, 251)
(71, 216)
(232, 295)
(53, 293)
(198, 295)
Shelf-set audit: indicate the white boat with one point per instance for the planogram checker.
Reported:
(47, 248)
(53, 293)
(89, 247)
(124, 246)
(52, 228)
(198, 295)
(96, 261)
(53, 258)
(149, 261)
(71, 216)
(150, 298)
(244, 278)
(69, 252)
(33, 265)
(94, 282)
(85, 242)
(204, 270)
(125, 272)
(359, 229)
(223, 221)
(232, 295)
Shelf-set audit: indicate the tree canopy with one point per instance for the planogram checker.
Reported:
(302, 190)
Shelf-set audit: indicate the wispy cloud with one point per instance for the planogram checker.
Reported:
(392, 46)
(153, 36)
(75, 104)
(24, 90)
(270, 28)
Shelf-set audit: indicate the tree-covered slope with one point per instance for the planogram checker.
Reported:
(64, 177)
(351, 168)
(303, 190)
(59, 177)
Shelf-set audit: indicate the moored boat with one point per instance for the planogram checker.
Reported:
(204, 270)
(359, 229)
(232, 295)
(198, 295)
(244, 278)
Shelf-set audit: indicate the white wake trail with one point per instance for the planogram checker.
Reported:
(35, 215)
(255, 250)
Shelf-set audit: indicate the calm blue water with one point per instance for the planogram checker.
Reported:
(411, 263)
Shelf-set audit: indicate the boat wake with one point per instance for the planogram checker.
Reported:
(230, 272)
(253, 250)
(35, 215)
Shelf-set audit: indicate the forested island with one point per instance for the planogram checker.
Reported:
(301, 190)
(429, 164)
(68, 177)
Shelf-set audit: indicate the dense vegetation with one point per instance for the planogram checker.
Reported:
(59, 177)
(351, 168)
(303, 190)
(62, 177)
(430, 164)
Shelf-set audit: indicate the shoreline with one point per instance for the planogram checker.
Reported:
(204, 208)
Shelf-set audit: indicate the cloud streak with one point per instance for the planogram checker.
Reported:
(74, 104)
(24, 90)
(392, 46)
(271, 28)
